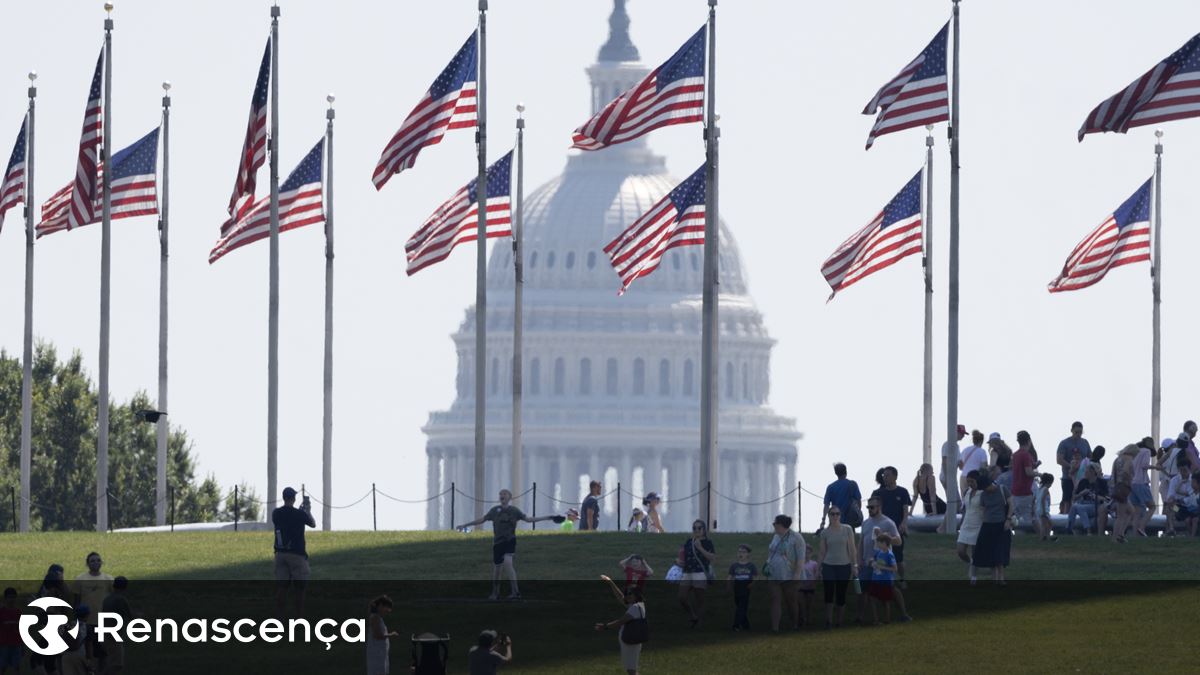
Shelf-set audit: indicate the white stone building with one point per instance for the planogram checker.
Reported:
(612, 384)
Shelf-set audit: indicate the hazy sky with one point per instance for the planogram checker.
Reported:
(793, 77)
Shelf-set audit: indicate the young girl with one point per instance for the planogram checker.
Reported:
(883, 572)
(808, 583)
(378, 636)
(1041, 506)
(636, 571)
(637, 521)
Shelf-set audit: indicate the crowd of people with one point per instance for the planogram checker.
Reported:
(89, 593)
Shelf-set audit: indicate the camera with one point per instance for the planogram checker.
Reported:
(502, 639)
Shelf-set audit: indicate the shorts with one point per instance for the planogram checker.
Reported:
(880, 590)
(694, 580)
(630, 655)
(10, 657)
(1139, 495)
(291, 568)
(503, 548)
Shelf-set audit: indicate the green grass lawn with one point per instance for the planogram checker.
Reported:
(1079, 604)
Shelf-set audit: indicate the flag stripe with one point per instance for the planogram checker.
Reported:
(1109, 245)
(1168, 91)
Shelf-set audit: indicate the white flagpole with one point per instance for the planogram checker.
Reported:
(518, 307)
(950, 449)
(27, 354)
(273, 302)
(105, 285)
(160, 506)
(481, 266)
(327, 409)
(927, 263)
(1156, 287)
(709, 459)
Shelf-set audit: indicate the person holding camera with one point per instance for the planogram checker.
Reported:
(291, 558)
(489, 653)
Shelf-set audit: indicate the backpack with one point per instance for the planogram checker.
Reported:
(636, 631)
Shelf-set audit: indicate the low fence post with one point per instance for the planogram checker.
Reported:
(534, 504)
(108, 508)
(799, 505)
(172, 490)
(709, 521)
(452, 505)
(14, 507)
(235, 508)
(618, 506)
(374, 511)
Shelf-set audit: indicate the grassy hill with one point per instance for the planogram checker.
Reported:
(1077, 604)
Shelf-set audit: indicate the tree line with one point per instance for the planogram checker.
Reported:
(63, 463)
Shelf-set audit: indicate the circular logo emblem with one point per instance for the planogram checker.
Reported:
(44, 625)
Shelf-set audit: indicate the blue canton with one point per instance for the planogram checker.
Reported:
(906, 203)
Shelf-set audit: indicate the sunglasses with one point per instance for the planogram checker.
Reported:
(835, 513)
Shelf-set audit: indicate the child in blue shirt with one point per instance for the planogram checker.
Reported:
(883, 574)
(741, 575)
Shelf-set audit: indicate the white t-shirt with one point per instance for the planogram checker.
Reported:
(1181, 491)
(973, 457)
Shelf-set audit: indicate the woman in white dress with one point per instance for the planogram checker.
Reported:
(972, 520)
(378, 636)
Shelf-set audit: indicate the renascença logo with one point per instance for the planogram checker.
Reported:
(44, 632)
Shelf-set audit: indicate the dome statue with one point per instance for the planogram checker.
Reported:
(612, 383)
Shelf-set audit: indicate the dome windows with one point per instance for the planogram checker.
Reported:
(560, 376)
(639, 377)
(591, 263)
(610, 377)
(585, 377)
(533, 259)
(664, 378)
(535, 377)
(689, 378)
(570, 264)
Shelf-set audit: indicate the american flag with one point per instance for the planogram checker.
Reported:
(917, 96)
(254, 148)
(86, 193)
(457, 220)
(1123, 238)
(893, 234)
(1170, 91)
(300, 204)
(12, 185)
(676, 220)
(449, 104)
(134, 182)
(672, 93)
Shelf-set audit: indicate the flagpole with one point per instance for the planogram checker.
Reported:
(1156, 286)
(481, 265)
(709, 461)
(927, 263)
(327, 410)
(518, 306)
(27, 354)
(160, 506)
(950, 450)
(273, 302)
(105, 285)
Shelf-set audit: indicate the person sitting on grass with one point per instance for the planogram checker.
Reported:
(491, 651)
(636, 570)
(504, 519)
(1041, 506)
(1091, 500)
(741, 577)
(883, 574)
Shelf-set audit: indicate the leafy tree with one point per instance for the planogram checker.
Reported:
(63, 466)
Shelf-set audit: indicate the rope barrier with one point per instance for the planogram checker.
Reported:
(413, 501)
(356, 503)
(770, 501)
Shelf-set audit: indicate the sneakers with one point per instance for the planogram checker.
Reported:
(905, 619)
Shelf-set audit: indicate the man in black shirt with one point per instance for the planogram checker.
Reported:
(589, 511)
(291, 558)
(896, 503)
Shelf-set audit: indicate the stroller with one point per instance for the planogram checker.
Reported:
(430, 654)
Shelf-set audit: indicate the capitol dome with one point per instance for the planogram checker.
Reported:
(611, 383)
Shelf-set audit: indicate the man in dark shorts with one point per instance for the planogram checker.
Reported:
(291, 557)
(504, 520)
(895, 503)
(589, 510)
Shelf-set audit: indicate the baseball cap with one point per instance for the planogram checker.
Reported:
(962, 430)
(994, 436)
(1167, 442)
(289, 492)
